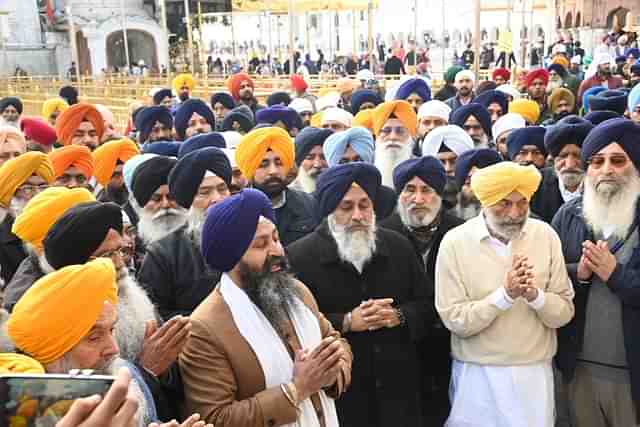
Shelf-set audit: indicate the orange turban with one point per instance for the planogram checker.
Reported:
(364, 119)
(559, 59)
(16, 171)
(107, 155)
(255, 144)
(69, 121)
(401, 109)
(41, 212)
(72, 155)
(13, 363)
(495, 182)
(234, 82)
(60, 309)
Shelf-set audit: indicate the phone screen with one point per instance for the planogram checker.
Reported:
(42, 400)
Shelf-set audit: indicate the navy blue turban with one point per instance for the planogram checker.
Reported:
(278, 98)
(242, 115)
(634, 51)
(621, 58)
(147, 118)
(416, 85)
(597, 117)
(335, 182)
(160, 95)
(611, 100)
(570, 130)
(188, 173)
(362, 96)
(278, 113)
(69, 94)
(162, 148)
(11, 100)
(459, 116)
(493, 96)
(231, 226)
(635, 68)
(479, 158)
(428, 168)
(531, 135)
(186, 110)
(223, 98)
(150, 176)
(562, 72)
(308, 138)
(202, 140)
(622, 131)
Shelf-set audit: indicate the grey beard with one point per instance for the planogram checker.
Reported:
(411, 220)
(571, 179)
(195, 220)
(306, 181)
(355, 247)
(153, 227)
(504, 229)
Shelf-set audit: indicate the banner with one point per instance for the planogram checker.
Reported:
(299, 6)
(505, 41)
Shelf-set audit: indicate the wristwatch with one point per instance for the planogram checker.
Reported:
(346, 323)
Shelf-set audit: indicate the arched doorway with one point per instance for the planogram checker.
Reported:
(84, 56)
(617, 16)
(142, 46)
(568, 20)
(578, 22)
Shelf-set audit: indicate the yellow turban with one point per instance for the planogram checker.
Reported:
(41, 212)
(528, 109)
(13, 363)
(494, 183)
(316, 120)
(183, 80)
(60, 309)
(254, 145)
(16, 171)
(559, 59)
(401, 109)
(107, 155)
(52, 105)
(364, 119)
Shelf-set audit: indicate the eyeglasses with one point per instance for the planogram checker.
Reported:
(617, 161)
(30, 190)
(399, 130)
(114, 254)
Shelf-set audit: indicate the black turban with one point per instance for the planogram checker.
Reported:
(597, 117)
(186, 110)
(202, 140)
(243, 115)
(187, 175)
(11, 100)
(160, 95)
(459, 116)
(611, 100)
(427, 168)
(76, 235)
(622, 131)
(559, 69)
(362, 96)
(570, 130)
(531, 135)
(224, 99)
(308, 138)
(479, 158)
(279, 98)
(147, 118)
(493, 96)
(335, 182)
(69, 94)
(150, 176)
(278, 113)
(162, 148)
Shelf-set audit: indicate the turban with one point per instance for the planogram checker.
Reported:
(622, 131)
(509, 90)
(107, 114)
(307, 139)
(130, 167)
(254, 146)
(633, 52)
(478, 158)
(53, 105)
(13, 363)
(485, 86)
(44, 209)
(635, 69)
(187, 175)
(402, 110)
(359, 139)
(495, 182)
(15, 172)
(501, 72)
(185, 112)
(182, 80)
(597, 117)
(234, 82)
(302, 105)
(540, 73)
(365, 75)
(202, 140)
(242, 115)
(569, 130)
(561, 94)
(362, 96)
(364, 119)
(528, 109)
(162, 148)
(451, 73)
(415, 85)
(278, 113)
(77, 234)
(70, 119)
(562, 61)
(38, 131)
(346, 85)
(106, 157)
(11, 100)
(465, 74)
(60, 309)
(231, 226)
(330, 99)
(434, 108)
(278, 98)
(531, 135)
(72, 155)
(231, 139)
(298, 83)
(149, 176)
(586, 96)
(621, 58)
(69, 94)
(450, 136)
(559, 69)
(335, 182)
(427, 168)
(160, 95)
(634, 98)
(609, 100)
(493, 97)
(223, 98)
(146, 119)
(335, 114)
(509, 121)
(460, 116)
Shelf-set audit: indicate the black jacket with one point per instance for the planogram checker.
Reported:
(546, 202)
(394, 66)
(11, 250)
(385, 389)
(27, 274)
(175, 275)
(297, 217)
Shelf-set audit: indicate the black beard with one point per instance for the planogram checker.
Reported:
(183, 96)
(118, 195)
(246, 96)
(450, 193)
(604, 74)
(272, 187)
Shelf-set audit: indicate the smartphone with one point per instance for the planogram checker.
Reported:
(42, 400)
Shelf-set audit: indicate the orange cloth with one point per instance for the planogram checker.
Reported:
(72, 155)
(255, 144)
(401, 109)
(107, 155)
(559, 59)
(16, 171)
(69, 121)
(13, 363)
(364, 119)
(234, 82)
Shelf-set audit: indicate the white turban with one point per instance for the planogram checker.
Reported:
(231, 138)
(365, 75)
(335, 114)
(456, 139)
(301, 105)
(507, 122)
(603, 58)
(434, 108)
(509, 90)
(231, 155)
(465, 74)
(331, 99)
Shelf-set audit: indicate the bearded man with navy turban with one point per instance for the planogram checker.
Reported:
(193, 117)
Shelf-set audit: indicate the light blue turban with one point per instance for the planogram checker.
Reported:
(357, 137)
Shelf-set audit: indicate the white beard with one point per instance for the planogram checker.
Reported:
(502, 228)
(387, 158)
(3, 213)
(412, 220)
(17, 206)
(153, 227)
(306, 181)
(134, 389)
(356, 248)
(195, 220)
(43, 263)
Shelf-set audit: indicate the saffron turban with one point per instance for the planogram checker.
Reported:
(15, 172)
(621, 131)
(202, 140)
(70, 119)
(278, 98)
(501, 72)
(231, 226)
(364, 119)
(335, 182)
(434, 108)
(402, 110)
(160, 95)
(562, 61)
(561, 94)
(185, 112)
(460, 116)
(162, 148)
(149, 176)
(586, 96)
(531, 135)
(278, 113)
(9, 133)
(446, 138)
(147, 118)
(634, 98)
(234, 82)
(569, 130)
(308, 138)
(60, 309)
(360, 139)
(509, 121)
(38, 131)
(528, 109)
(182, 80)
(11, 100)
(106, 157)
(597, 117)
(298, 83)
(478, 158)
(223, 98)
(363, 96)
(415, 85)
(53, 105)
(72, 155)
(540, 73)
(254, 146)
(13, 363)
(130, 166)
(69, 94)
(495, 182)
(609, 100)
(44, 209)
(493, 97)
(428, 168)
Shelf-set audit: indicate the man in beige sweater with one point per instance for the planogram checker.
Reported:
(502, 289)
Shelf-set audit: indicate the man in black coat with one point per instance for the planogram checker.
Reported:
(371, 286)
(11, 250)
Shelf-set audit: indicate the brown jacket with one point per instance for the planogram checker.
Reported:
(223, 380)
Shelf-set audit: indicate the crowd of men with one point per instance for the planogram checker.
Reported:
(354, 258)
